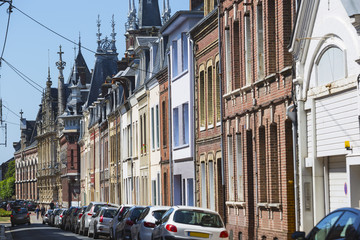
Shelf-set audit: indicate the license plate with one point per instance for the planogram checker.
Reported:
(197, 234)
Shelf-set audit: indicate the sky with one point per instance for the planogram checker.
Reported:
(31, 49)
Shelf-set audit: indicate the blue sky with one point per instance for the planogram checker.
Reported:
(31, 49)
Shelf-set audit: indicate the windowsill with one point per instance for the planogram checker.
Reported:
(218, 124)
(269, 205)
(181, 147)
(236, 204)
(211, 126)
(179, 75)
(202, 129)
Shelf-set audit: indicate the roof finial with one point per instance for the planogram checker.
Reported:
(113, 34)
(79, 42)
(166, 11)
(98, 25)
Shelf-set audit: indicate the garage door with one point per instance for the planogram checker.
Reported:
(338, 186)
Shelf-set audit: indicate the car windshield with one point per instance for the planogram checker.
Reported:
(109, 213)
(198, 217)
(97, 207)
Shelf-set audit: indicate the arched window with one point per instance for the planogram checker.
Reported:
(330, 66)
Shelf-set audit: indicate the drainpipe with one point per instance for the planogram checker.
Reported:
(117, 198)
(194, 150)
(170, 134)
(221, 111)
(293, 117)
(256, 179)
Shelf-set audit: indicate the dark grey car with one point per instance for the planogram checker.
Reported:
(119, 216)
(123, 229)
(19, 216)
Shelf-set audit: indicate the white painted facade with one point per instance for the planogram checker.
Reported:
(181, 85)
(326, 48)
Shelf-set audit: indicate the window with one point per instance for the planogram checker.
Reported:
(217, 93)
(260, 42)
(262, 166)
(185, 118)
(248, 57)
(176, 126)
(164, 123)
(239, 169)
(190, 192)
(152, 129)
(230, 168)
(203, 185)
(210, 97)
(202, 99)
(181, 125)
(179, 55)
(331, 66)
(228, 60)
(211, 185)
(157, 127)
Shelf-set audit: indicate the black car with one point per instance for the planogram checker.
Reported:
(343, 223)
(19, 216)
(66, 220)
(72, 219)
(123, 228)
(31, 205)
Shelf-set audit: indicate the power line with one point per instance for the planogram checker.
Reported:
(11, 111)
(17, 124)
(23, 76)
(7, 29)
(67, 39)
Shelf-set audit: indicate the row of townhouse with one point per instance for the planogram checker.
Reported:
(242, 107)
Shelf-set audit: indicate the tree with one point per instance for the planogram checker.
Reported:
(11, 170)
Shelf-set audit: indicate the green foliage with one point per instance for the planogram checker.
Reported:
(7, 188)
(4, 213)
(11, 170)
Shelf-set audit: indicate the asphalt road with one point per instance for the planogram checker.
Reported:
(38, 231)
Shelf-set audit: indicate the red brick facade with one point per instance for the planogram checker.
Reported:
(257, 134)
(164, 137)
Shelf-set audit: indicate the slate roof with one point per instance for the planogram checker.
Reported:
(149, 14)
(105, 66)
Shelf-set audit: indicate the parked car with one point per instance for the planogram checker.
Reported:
(118, 218)
(53, 215)
(68, 218)
(46, 216)
(78, 217)
(31, 205)
(100, 222)
(19, 216)
(144, 225)
(59, 217)
(92, 208)
(343, 223)
(123, 229)
(183, 222)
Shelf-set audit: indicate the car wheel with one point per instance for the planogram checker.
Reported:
(95, 234)
(138, 238)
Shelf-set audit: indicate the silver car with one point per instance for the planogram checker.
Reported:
(183, 222)
(100, 222)
(58, 217)
(92, 208)
(145, 224)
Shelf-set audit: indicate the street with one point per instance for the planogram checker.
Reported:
(38, 231)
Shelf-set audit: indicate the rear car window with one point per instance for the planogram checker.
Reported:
(21, 210)
(136, 213)
(109, 213)
(158, 214)
(97, 207)
(198, 217)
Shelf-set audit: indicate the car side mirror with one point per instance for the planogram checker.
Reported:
(157, 222)
(298, 235)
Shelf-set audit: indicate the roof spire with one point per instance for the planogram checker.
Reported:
(113, 34)
(132, 21)
(98, 33)
(79, 42)
(61, 65)
(166, 11)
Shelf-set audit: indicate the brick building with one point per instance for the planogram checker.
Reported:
(257, 84)
(209, 186)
